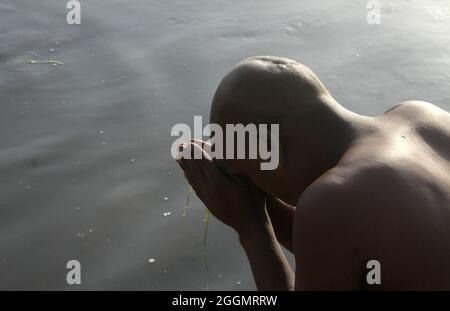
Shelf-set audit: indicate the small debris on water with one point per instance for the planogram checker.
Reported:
(50, 61)
(133, 160)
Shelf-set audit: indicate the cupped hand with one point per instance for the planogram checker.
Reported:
(234, 200)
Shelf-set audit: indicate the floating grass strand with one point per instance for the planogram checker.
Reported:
(205, 260)
(187, 201)
(50, 61)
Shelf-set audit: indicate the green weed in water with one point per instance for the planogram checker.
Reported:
(205, 260)
(187, 201)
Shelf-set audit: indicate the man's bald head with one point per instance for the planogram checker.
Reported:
(266, 90)
(313, 127)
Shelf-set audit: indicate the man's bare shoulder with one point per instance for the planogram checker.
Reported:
(347, 183)
(416, 105)
(352, 195)
(387, 171)
(421, 111)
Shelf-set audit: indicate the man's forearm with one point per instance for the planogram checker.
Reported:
(270, 267)
(281, 217)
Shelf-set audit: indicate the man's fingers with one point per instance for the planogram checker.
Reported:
(191, 167)
(206, 147)
(214, 175)
(200, 142)
(204, 161)
(200, 167)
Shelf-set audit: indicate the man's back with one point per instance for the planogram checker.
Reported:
(388, 199)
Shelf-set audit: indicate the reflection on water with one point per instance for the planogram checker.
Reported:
(85, 167)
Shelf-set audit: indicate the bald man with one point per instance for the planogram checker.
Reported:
(349, 189)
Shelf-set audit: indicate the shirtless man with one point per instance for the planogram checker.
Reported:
(348, 188)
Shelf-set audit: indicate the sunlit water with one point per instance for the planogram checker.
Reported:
(85, 166)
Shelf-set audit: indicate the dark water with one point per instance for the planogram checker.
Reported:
(85, 162)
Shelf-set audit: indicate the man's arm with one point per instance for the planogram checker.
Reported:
(282, 218)
(271, 270)
(327, 239)
(241, 205)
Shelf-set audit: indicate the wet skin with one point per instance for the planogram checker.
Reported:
(349, 188)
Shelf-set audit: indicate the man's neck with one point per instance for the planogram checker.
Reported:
(318, 144)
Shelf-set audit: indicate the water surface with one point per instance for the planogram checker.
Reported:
(85, 162)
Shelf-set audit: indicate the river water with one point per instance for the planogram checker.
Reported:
(85, 165)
